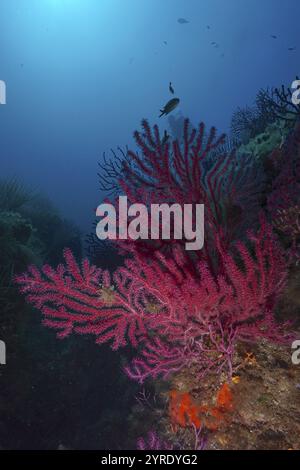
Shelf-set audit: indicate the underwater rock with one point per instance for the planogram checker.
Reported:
(19, 246)
(264, 143)
(263, 411)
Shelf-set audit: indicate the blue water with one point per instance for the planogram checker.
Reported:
(81, 74)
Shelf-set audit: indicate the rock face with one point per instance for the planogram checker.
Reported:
(264, 143)
(266, 404)
(264, 408)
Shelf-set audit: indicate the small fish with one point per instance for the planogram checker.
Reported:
(170, 106)
(273, 36)
(208, 27)
(166, 43)
(171, 88)
(182, 21)
(213, 43)
(292, 49)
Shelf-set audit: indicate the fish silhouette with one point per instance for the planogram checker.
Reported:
(170, 106)
(182, 21)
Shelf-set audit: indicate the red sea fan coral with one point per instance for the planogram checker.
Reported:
(210, 315)
(177, 310)
(168, 172)
(174, 318)
(174, 171)
(199, 169)
(81, 299)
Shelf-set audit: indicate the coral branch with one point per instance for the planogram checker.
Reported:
(175, 319)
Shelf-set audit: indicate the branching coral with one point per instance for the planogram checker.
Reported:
(246, 123)
(111, 170)
(195, 320)
(278, 103)
(272, 108)
(283, 201)
(153, 442)
(217, 312)
(176, 310)
(198, 169)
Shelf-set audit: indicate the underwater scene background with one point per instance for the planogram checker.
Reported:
(142, 344)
